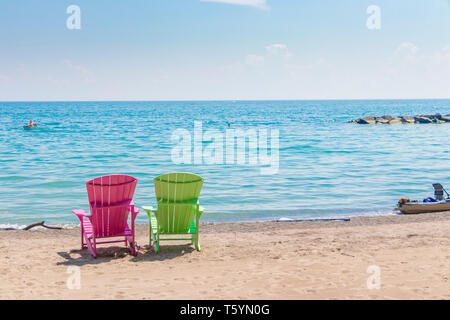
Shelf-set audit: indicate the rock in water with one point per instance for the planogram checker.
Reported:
(422, 119)
(395, 120)
(386, 119)
(381, 120)
(367, 120)
(407, 119)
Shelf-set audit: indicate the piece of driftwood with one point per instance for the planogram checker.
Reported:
(38, 224)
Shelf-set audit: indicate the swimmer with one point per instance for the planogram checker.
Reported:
(31, 124)
(229, 123)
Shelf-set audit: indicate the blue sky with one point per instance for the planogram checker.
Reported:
(224, 49)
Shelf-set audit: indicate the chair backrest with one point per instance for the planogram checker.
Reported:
(438, 191)
(178, 187)
(104, 194)
(177, 197)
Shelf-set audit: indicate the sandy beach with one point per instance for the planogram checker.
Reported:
(260, 260)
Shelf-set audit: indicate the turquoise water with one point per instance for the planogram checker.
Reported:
(327, 167)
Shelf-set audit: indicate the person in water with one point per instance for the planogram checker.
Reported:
(31, 124)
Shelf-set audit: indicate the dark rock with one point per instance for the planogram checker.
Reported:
(395, 120)
(381, 120)
(387, 119)
(407, 119)
(431, 116)
(422, 119)
(367, 120)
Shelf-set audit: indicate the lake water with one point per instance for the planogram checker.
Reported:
(327, 167)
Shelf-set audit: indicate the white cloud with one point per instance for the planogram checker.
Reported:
(408, 48)
(273, 54)
(85, 73)
(407, 51)
(413, 72)
(254, 60)
(442, 57)
(276, 56)
(252, 3)
(278, 49)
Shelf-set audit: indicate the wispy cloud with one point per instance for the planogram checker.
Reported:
(3, 78)
(252, 3)
(278, 49)
(85, 73)
(273, 51)
(408, 47)
(407, 51)
(254, 60)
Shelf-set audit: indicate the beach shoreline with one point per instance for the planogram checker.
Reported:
(253, 260)
(281, 219)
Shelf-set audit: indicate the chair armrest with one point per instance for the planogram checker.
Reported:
(136, 210)
(81, 214)
(149, 209)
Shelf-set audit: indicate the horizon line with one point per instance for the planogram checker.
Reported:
(227, 100)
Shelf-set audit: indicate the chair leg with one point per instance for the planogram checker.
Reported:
(82, 240)
(83, 245)
(197, 243)
(92, 248)
(157, 243)
(150, 236)
(133, 246)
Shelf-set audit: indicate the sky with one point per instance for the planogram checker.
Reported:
(224, 50)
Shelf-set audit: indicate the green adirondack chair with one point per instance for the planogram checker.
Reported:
(178, 211)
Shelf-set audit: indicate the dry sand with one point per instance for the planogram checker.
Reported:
(265, 260)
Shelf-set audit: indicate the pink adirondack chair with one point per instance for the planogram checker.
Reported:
(110, 202)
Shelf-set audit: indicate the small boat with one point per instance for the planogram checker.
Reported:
(436, 204)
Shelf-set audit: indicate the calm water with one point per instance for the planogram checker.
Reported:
(327, 167)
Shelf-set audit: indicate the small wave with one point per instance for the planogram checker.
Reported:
(18, 227)
(11, 226)
(14, 178)
(57, 184)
